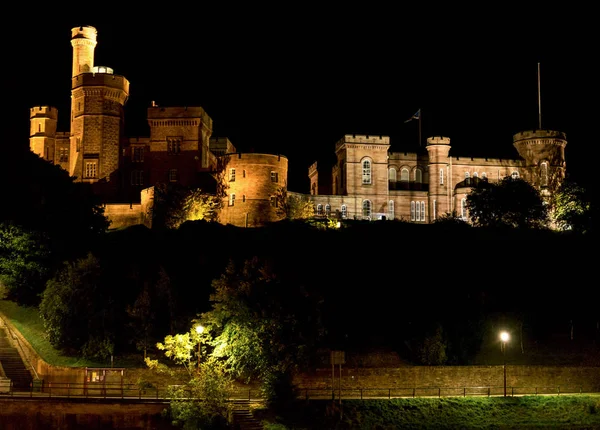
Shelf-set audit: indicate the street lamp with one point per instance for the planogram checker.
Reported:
(199, 330)
(504, 337)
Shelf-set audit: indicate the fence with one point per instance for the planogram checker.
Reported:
(165, 393)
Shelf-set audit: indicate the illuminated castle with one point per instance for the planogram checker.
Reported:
(366, 182)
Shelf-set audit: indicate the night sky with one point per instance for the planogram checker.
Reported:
(293, 79)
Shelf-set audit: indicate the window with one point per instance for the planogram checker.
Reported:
(412, 211)
(435, 209)
(231, 175)
(173, 145)
(137, 177)
(273, 201)
(391, 209)
(243, 198)
(417, 211)
(467, 178)
(418, 176)
(392, 175)
(422, 211)
(441, 176)
(244, 173)
(463, 208)
(231, 199)
(475, 175)
(544, 174)
(63, 155)
(484, 175)
(137, 154)
(172, 175)
(514, 175)
(328, 210)
(91, 169)
(366, 172)
(344, 211)
(319, 209)
(404, 175)
(366, 209)
(274, 177)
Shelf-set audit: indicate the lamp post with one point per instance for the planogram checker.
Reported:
(504, 337)
(199, 330)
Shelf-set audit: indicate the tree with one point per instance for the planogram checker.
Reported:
(25, 264)
(174, 204)
(141, 319)
(512, 202)
(266, 326)
(432, 351)
(572, 208)
(293, 206)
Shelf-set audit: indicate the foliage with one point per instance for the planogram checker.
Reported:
(141, 319)
(174, 204)
(24, 263)
(76, 310)
(451, 220)
(432, 351)
(264, 325)
(512, 202)
(572, 208)
(293, 206)
(180, 349)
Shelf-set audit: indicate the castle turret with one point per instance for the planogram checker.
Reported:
(98, 98)
(544, 155)
(83, 40)
(440, 187)
(42, 131)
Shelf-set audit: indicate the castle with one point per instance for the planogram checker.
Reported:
(366, 182)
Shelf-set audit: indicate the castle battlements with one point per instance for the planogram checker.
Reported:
(538, 134)
(100, 80)
(438, 140)
(43, 111)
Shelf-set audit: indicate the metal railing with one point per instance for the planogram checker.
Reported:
(116, 391)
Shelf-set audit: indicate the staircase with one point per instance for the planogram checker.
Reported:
(243, 418)
(13, 365)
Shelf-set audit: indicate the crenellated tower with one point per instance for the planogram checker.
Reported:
(440, 186)
(42, 131)
(544, 155)
(98, 98)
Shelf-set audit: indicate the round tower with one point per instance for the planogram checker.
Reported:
(544, 155)
(42, 131)
(83, 40)
(438, 148)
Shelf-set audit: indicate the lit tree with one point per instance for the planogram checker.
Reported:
(293, 206)
(572, 208)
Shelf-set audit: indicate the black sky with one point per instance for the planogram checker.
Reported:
(294, 78)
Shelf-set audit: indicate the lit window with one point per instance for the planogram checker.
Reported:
(412, 211)
(366, 172)
(274, 177)
(173, 145)
(422, 211)
(231, 175)
(231, 199)
(391, 209)
(91, 169)
(319, 209)
(514, 175)
(463, 208)
(392, 175)
(418, 176)
(344, 211)
(327, 209)
(441, 176)
(63, 155)
(435, 209)
(544, 174)
(404, 174)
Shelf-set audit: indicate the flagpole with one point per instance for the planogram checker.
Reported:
(539, 101)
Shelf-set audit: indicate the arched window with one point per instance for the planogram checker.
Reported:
(418, 176)
(319, 209)
(463, 208)
(475, 175)
(412, 211)
(544, 174)
(404, 174)
(366, 208)
(514, 175)
(422, 218)
(327, 209)
(484, 175)
(467, 178)
(344, 211)
(391, 209)
(366, 172)
(392, 174)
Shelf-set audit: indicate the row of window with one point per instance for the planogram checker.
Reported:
(232, 173)
(272, 200)
(417, 210)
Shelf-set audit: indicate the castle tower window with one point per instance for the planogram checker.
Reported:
(172, 175)
(243, 197)
(435, 209)
(366, 209)
(244, 173)
(328, 210)
(137, 155)
(463, 208)
(274, 177)
(231, 199)
(366, 172)
(392, 174)
(391, 210)
(404, 175)
(231, 175)
(137, 177)
(91, 169)
(544, 174)
(63, 155)
(441, 176)
(344, 211)
(173, 145)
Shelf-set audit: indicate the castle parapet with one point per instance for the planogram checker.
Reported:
(537, 134)
(100, 80)
(43, 111)
(438, 140)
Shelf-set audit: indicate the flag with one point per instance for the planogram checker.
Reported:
(416, 115)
